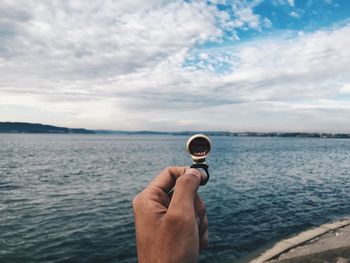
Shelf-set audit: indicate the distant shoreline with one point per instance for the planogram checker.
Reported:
(37, 128)
(24, 127)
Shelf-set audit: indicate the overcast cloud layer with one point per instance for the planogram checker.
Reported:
(171, 65)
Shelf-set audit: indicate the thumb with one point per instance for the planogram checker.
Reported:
(185, 190)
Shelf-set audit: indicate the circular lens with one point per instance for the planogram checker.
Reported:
(198, 146)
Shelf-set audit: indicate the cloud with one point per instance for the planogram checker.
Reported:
(246, 16)
(294, 14)
(71, 41)
(291, 2)
(307, 66)
(284, 2)
(90, 40)
(152, 65)
(279, 73)
(345, 88)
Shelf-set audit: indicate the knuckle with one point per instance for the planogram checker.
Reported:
(203, 228)
(202, 208)
(141, 203)
(137, 201)
(179, 219)
(173, 217)
(205, 222)
(175, 169)
(169, 169)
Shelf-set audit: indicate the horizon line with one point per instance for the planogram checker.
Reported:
(178, 131)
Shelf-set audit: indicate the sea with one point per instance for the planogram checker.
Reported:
(67, 198)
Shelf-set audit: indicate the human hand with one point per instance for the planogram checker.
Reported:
(171, 228)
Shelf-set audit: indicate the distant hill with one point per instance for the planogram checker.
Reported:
(133, 132)
(233, 134)
(186, 133)
(24, 127)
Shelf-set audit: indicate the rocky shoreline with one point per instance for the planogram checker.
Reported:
(327, 243)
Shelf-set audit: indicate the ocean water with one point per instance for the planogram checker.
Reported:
(67, 198)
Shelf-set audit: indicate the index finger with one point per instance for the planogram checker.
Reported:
(167, 178)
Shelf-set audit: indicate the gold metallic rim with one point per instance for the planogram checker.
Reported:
(194, 137)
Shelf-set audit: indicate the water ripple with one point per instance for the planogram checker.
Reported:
(68, 197)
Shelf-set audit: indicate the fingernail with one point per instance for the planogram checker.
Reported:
(193, 171)
(197, 172)
(198, 220)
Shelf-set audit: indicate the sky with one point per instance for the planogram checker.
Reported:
(174, 65)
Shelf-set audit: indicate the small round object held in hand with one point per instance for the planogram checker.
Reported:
(199, 146)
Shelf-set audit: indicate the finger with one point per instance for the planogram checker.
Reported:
(167, 178)
(185, 190)
(204, 241)
(199, 207)
(203, 226)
